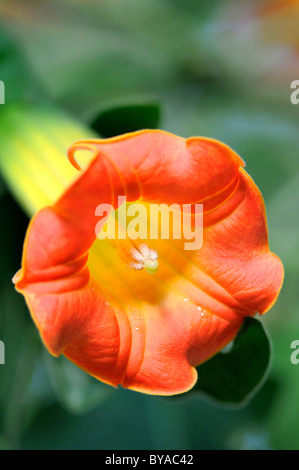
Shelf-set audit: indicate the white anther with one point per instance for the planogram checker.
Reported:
(144, 258)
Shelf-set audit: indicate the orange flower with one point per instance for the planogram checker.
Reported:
(148, 331)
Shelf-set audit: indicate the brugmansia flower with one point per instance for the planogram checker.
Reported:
(147, 331)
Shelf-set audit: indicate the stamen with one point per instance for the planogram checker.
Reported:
(144, 258)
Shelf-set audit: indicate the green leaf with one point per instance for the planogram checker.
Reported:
(77, 391)
(123, 119)
(230, 377)
(33, 148)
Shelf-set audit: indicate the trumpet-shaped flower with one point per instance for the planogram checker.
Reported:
(145, 313)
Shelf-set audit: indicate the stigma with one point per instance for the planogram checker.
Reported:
(145, 258)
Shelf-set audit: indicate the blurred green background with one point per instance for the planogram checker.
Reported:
(220, 69)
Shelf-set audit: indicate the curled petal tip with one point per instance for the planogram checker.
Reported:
(79, 145)
(17, 277)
